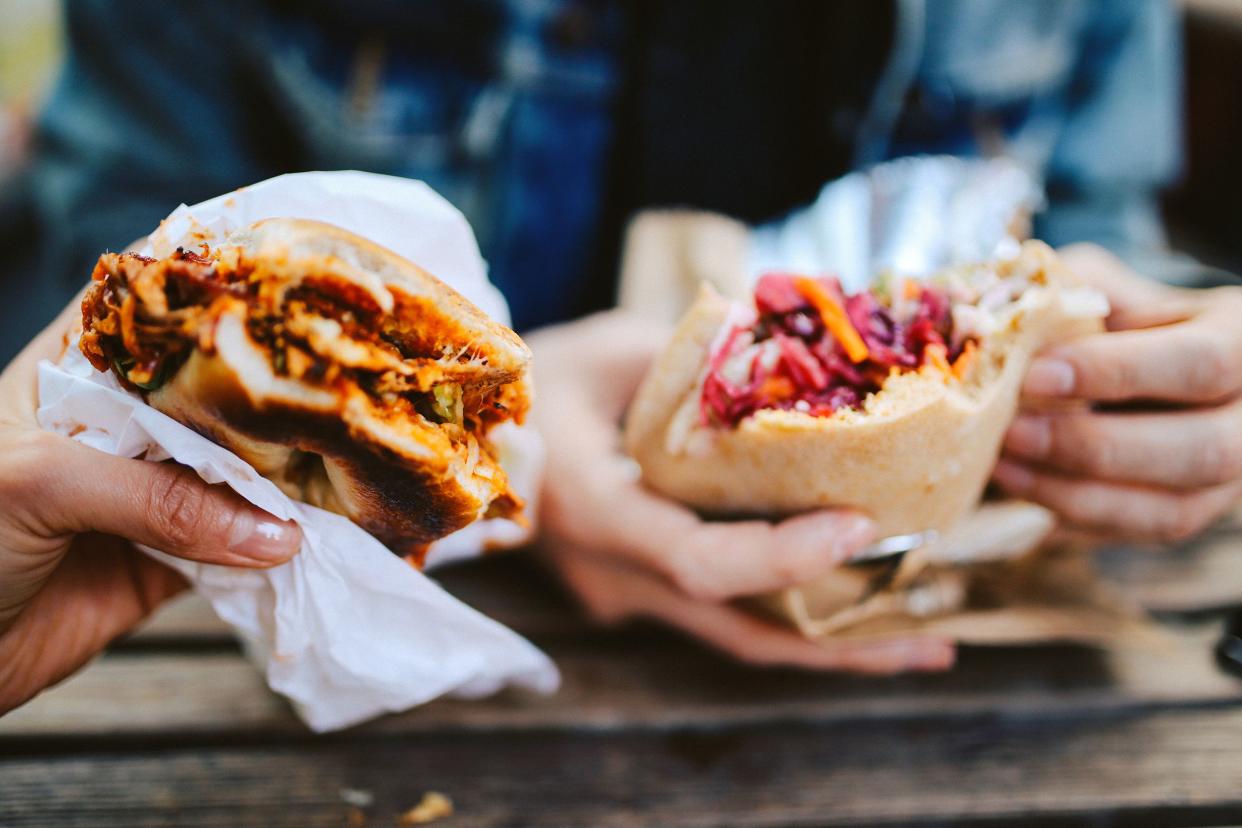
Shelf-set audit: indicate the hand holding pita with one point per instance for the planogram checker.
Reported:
(627, 552)
(1155, 454)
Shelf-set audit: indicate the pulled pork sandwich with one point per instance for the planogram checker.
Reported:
(893, 400)
(352, 378)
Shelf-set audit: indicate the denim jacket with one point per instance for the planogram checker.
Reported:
(516, 111)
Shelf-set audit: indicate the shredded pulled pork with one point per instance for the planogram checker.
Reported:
(143, 317)
(815, 350)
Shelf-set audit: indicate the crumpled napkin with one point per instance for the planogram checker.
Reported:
(346, 630)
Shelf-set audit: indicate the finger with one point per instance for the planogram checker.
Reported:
(760, 643)
(616, 370)
(1135, 301)
(1191, 362)
(715, 561)
(71, 488)
(1128, 511)
(613, 592)
(1185, 450)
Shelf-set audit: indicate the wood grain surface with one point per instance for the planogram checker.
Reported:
(1170, 767)
(640, 680)
(174, 727)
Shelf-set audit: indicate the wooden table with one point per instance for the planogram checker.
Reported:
(174, 727)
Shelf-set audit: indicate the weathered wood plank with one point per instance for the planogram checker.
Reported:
(127, 694)
(1165, 768)
(627, 680)
(188, 617)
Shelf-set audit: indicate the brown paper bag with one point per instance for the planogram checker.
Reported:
(990, 580)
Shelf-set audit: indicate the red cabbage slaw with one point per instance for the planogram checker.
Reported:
(815, 350)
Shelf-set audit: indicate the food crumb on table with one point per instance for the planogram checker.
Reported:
(434, 805)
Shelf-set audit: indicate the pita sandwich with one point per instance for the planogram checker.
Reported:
(893, 401)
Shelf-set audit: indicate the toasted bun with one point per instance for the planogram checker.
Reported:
(330, 444)
(327, 447)
(429, 311)
(916, 457)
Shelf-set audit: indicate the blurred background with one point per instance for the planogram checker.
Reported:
(549, 122)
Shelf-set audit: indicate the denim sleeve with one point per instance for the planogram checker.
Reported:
(144, 115)
(1120, 141)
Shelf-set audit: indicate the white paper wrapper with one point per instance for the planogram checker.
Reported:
(346, 630)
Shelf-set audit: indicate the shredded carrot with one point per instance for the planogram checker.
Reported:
(934, 355)
(777, 387)
(965, 359)
(835, 320)
(911, 289)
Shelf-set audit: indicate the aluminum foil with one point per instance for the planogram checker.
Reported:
(912, 216)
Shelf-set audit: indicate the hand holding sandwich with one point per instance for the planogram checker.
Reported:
(70, 580)
(1157, 455)
(627, 552)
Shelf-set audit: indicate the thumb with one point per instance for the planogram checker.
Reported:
(75, 488)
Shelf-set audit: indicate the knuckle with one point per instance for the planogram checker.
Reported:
(1123, 376)
(690, 580)
(178, 506)
(1106, 458)
(25, 466)
(1085, 447)
(686, 568)
(1216, 454)
(1210, 366)
(1105, 374)
(788, 567)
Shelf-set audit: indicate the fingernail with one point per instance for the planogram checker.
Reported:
(1048, 377)
(1030, 436)
(263, 538)
(853, 536)
(1012, 477)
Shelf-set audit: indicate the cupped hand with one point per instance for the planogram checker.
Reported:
(627, 552)
(70, 578)
(1156, 452)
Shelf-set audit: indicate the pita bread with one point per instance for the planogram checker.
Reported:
(916, 456)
